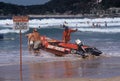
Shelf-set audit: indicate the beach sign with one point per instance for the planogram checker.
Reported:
(20, 22)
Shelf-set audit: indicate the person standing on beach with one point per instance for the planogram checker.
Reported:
(30, 41)
(34, 41)
(37, 41)
(66, 34)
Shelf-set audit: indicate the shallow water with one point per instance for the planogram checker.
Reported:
(94, 68)
(47, 65)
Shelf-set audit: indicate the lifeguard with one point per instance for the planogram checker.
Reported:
(66, 34)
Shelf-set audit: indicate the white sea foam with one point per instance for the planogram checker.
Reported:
(100, 24)
(105, 30)
(10, 31)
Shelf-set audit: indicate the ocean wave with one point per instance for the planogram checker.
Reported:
(100, 30)
(4, 31)
(86, 24)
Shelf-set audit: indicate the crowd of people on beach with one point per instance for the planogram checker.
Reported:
(97, 24)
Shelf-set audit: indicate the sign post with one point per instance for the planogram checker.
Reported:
(20, 23)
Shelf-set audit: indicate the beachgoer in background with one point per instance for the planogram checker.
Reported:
(105, 24)
(93, 25)
(66, 34)
(65, 24)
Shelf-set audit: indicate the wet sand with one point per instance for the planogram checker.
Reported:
(97, 69)
(83, 79)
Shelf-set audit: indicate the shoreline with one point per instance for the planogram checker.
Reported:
(66, 16)
(74, 70)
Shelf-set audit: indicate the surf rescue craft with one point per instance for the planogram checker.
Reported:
(60, 48)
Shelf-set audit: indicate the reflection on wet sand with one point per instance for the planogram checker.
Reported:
(54, 70)
(59, 69)
(87, 68)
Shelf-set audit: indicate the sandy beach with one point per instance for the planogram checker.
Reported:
(65, 70)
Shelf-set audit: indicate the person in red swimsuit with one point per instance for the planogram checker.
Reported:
(66, 34)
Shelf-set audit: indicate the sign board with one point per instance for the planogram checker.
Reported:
(20, 22)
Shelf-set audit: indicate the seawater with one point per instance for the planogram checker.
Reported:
(106, 39)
